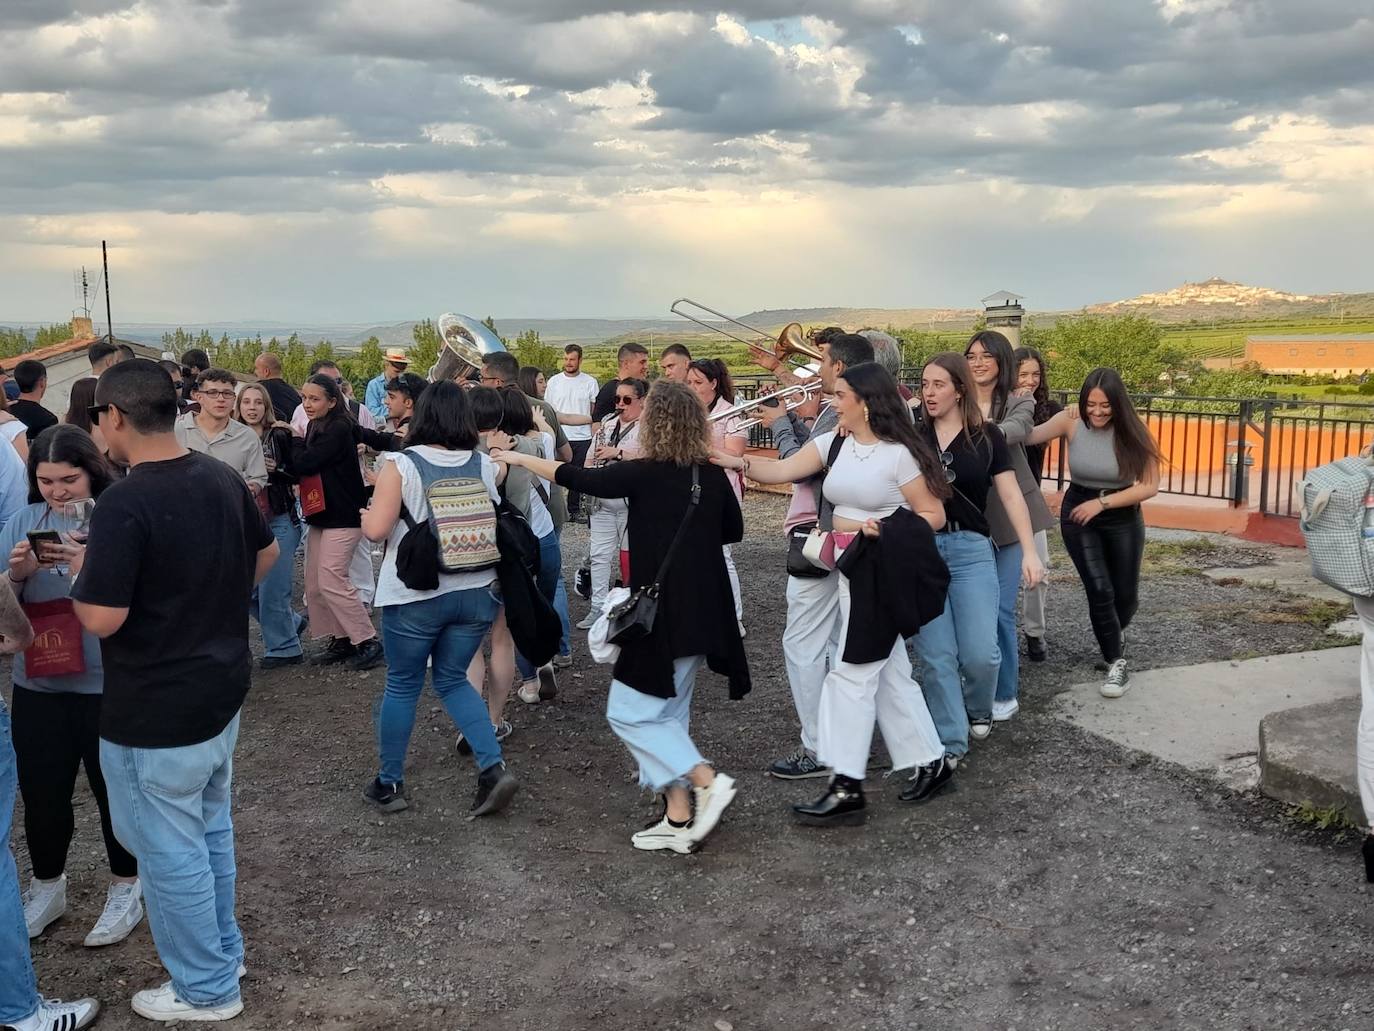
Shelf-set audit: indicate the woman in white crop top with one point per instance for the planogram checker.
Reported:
(882, 465)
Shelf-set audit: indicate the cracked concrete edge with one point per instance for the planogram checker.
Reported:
(1307, 757)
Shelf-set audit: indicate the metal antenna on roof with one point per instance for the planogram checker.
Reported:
(81, 285)
(105, 261)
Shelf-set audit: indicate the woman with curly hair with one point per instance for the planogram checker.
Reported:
(670, 486)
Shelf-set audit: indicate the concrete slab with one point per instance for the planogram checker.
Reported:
(1307, 755)
(1205, 716)
(1290, 571)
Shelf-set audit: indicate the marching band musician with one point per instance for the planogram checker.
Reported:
(617, 439)
(812, 632)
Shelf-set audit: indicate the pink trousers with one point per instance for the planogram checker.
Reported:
(333, 602)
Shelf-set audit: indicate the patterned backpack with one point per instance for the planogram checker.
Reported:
(1336, 509)
(459, 536)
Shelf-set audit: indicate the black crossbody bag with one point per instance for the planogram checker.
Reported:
(633, 619)
(797, 562)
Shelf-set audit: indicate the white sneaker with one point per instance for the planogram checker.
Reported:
(664, 835)
(123, 911)
(56, 1015)
(979, 729)
(1118, 681)
(585, 623)
(44, 902)
(528, 692)
(162, 1004)
(710, 806)
(1003, 711)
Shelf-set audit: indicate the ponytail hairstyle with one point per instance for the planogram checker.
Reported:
(890, 419)
(1136, 450)
(1000, 348)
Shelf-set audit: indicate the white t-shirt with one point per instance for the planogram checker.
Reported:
(390, 590)
(541, 522)
(10, 430)
(866, 480)
(574, 395)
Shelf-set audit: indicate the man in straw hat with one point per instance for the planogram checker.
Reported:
(393, 364)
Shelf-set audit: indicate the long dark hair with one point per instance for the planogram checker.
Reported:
(529, 379)
(1000, 348)
(714, 369)
(443, 418)
(488, 410)
(79, 406)
(1044, 407)
(1135, 448)
(73, 446)
(519, 416)
(890, 419)
(331, 391)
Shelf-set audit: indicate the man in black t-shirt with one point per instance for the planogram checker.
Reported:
(176, 672)
(285, 397)
(32, 379)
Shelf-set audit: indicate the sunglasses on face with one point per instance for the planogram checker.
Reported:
(96, 411)
(621, 399)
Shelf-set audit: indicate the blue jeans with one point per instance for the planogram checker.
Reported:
(550, 576)
(1008, 585)
(450, 627)
(957, 651)
(170, 808)
(655, 729)
(18, 987)
(560, 605)
(271, 601)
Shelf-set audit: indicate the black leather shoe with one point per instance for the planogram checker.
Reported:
(841, 805)
(368, 654)
(1368, 850)
(1035, 649)
(278, 661)
(928, 780)
(339, 649)
(495, 789)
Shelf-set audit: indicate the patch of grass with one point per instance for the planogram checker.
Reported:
(1317, 612)
(1178, 558)
(1331, 817)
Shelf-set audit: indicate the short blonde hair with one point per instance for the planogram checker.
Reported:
(673, 427)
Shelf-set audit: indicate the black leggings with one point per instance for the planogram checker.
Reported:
(53, 735)
(1107, 553)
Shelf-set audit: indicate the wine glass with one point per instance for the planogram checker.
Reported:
(78, 515)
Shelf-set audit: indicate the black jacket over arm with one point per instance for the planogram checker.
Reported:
(897, 584)
(328, 450)
(696, 610)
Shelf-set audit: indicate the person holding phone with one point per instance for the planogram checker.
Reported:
(57, 689)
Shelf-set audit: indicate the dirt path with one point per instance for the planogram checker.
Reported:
(1065, 884)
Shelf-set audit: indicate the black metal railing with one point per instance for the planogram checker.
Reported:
(1225, 448)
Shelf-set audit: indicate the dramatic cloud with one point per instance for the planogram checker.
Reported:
(561, 156)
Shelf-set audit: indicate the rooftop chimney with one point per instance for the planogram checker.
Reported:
(82, 327)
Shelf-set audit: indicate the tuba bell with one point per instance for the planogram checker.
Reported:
(464, 343)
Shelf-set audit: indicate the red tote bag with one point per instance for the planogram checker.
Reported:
(56, 650)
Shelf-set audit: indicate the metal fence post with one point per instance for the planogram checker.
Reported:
(1240, 485)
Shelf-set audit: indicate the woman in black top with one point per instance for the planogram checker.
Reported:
(651, 692)
(271, 601)
(1030, 376)
(326, 460)
(959, 649)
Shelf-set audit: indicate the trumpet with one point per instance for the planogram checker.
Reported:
(791, 397)
(791, 342)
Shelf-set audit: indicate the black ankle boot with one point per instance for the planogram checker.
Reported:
(1368, 851)
(1035, 648)
(842, 804)
(929, 779)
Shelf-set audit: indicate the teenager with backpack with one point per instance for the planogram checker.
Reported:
(434, 505)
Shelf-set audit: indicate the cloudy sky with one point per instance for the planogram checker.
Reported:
(357, 161)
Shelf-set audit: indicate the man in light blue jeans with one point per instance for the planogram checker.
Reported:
(177, 670)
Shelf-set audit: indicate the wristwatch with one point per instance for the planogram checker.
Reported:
(1102, 498)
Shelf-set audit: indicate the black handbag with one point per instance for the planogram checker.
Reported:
(797, 562)
(633, 619)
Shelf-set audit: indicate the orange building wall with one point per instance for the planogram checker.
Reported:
(1341, 357)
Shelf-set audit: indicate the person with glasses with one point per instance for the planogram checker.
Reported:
(993, 366)
(958, 651)
(212, 430)
(617, 440)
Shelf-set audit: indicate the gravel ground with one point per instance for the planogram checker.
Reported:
(1066, 883)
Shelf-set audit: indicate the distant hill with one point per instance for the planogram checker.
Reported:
(1220, 299)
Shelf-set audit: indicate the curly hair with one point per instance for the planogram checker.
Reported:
(673, 427)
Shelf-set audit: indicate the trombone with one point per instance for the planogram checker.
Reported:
(791, 342)
(791, 397)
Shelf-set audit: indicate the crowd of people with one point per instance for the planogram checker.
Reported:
(916, 545)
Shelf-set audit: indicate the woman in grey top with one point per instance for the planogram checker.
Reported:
(1113, 466)
(57, 687)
